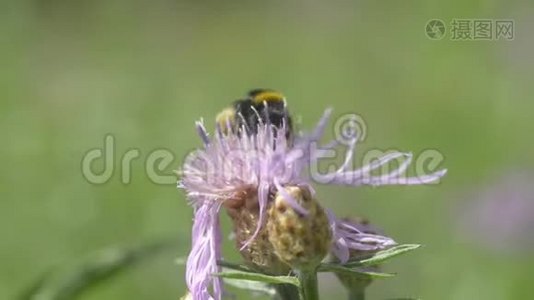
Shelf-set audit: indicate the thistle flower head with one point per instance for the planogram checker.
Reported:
(229, 170)
(246, 174)
(301, 241)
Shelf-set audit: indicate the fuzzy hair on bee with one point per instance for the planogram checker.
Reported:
(260, 106)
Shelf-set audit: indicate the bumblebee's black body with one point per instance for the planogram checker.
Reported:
(260, 106)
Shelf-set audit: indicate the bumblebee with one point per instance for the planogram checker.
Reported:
(260, 106)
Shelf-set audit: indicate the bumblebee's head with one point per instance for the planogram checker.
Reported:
(260, 106)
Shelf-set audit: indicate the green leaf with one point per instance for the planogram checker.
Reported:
(253, 286)
(355, 267)
(259, 277)
(234, 266)
(249, 285)
(72, 280)
(326, 267)
(382, 256)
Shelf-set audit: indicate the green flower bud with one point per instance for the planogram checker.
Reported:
(301, 241)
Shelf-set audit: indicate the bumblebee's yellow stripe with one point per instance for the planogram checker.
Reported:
(268, 96)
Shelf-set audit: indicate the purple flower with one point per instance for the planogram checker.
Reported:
(349, 235)
(231, 165)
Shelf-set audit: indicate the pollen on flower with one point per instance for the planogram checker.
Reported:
(298, 240)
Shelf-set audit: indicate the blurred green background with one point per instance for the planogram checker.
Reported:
(144, 71)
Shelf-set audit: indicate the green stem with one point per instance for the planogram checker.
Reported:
(286, 292)
(308, 284)
(357, 295)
